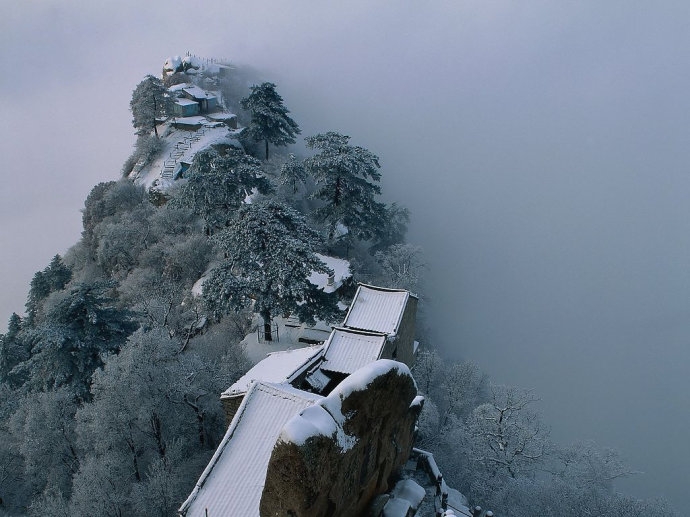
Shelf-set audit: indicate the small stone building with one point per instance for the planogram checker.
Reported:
(183, 107)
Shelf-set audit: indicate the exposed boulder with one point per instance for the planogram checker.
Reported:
(335, 456)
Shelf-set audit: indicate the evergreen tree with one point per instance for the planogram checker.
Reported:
(270, 121)
(81, 326)
(344, 175)
(150, 100)
(13, 351)
(217, 184)
(270, 253)
(292, 172)
(53, 278)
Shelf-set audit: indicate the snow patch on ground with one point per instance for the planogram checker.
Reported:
(341, 271)
(173, 140)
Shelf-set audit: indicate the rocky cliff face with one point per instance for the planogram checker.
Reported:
(334, 457)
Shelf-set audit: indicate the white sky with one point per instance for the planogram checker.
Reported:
(542, 148)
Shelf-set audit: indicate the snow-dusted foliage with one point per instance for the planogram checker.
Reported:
(269, 254)
(270, 121)
(402, 266)
(347, 179)
(150, 101)
(99, 418)
(292, 172)
(218, 182)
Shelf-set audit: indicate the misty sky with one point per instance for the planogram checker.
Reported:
(541, 146)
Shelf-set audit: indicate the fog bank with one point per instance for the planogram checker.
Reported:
(541, 148)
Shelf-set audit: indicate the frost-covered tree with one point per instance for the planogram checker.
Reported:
(506, 438)
(150, 101)
(402, 266)
(346, 178)
(218, 182)
(81, 325)
(270, 121)
(269, 254)
(13, 350)
(154, 420)
(292, 172)
(53, 278)
(45, 423)
(391, 227)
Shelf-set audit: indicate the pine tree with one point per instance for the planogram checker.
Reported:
(269, 251)
(53, 278)
(217, 184)
(270, 121)
(80, 327)
(293, 172)
(345, 177)
(150, 100)
(13, 351)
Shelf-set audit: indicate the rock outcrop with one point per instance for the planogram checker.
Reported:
(334, 457)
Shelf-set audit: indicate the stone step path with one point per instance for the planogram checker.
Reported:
(168, 170)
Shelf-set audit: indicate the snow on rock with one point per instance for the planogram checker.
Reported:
(410, 491)
(192, 62)
(359, 381)
(396, 508)
(173, 64)
(311, 422)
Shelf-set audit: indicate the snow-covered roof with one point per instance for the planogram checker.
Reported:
(278, 367)
(347, 350)
(233, 481)
(224, 115)
(185, 102)
(198, 119)
(197, 93)
(377, 309)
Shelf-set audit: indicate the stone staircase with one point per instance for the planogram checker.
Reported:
(168, 170)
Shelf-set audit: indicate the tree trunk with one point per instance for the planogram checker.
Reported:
(336, 194)
(155, 110)
(268, 336)
(266, 149)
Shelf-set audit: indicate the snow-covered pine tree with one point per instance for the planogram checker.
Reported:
(344, 175)
(150, 100)
(270, 121)
(293, 172)
(217, 184)
(270, 254)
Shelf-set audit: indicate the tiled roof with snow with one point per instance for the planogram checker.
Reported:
(277, 367)
(224, 115)
(377, 309)
(185, 102)
(348, 350)
(233, 481)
